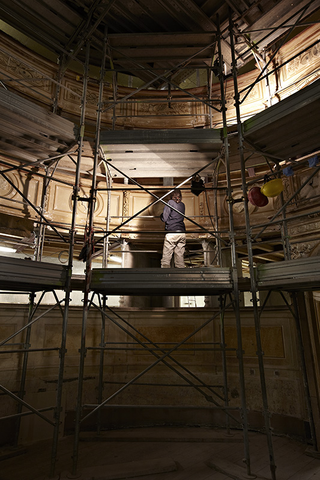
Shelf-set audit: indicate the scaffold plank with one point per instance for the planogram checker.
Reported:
(297, 116)
(290, 274)
(164, 136)
(29, 276)
(161, 281)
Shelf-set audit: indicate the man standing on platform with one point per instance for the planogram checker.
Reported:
(175, 242)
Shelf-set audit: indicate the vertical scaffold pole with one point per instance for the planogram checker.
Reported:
(250, 257)
(106, 240)
(295, 296)
(25, 363)
(60, 74)
(234, 267)
(284, 232)
(42, 226)
(216, 215)
(222, 304)
(41, 234)
(101, 363)
(90, 245)
(76, 187)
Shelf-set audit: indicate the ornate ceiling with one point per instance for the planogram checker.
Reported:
(155, 40)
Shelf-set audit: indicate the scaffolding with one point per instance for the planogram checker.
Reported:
(223, 282)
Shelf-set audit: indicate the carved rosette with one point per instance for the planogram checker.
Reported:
(6, 189)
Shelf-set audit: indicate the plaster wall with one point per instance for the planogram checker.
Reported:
(160, 395)
(148, 228)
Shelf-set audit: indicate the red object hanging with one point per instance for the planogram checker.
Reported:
(257, 198)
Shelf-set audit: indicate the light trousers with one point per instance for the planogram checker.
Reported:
(174, 243)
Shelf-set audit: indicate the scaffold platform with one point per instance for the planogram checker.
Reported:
(289, 275)
(30, 276)
(161, 281)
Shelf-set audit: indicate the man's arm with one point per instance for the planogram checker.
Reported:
(166, 212)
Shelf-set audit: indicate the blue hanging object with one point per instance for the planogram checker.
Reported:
(288, 171)
(313, 161)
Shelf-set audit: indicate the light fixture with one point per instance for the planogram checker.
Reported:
(7, 249)
(114, 258)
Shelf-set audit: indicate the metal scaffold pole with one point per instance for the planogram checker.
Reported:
(41, 234)
(284, 232)
(234, 269)
(254, 288)
(295, 300)
(89, 250)
(106, 240)
(222, 304)
(101, 362)
(218, 252)
(70, 265)
(25, 363)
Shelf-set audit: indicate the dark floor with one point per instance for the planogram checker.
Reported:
(165, 453)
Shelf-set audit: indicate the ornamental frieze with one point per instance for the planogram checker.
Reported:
(24, 72)
(303, 64)
(74, 91)
(314, 215)
(29, 74)
(304, 60)
(164, 108)
(305, 228)
(4, 60)
(21, 63)
(46, 199)
(125, 204)
(201, 210)
(302, 250)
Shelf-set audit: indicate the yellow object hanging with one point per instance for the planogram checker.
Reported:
(272, 188)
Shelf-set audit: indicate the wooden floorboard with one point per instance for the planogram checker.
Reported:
(187, 448)
(307, 472)
(289, 459)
